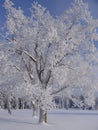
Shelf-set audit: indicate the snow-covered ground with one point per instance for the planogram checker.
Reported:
(57, 120)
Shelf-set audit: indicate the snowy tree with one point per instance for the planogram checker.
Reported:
(44, 49)
(10, 77)
(83, 80)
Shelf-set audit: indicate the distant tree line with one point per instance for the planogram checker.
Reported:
(60, 102)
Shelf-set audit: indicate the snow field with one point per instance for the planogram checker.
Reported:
(57, 120)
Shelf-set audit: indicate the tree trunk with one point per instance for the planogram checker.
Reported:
(9, 106)
(42, 116)
(67, 103)
(22, 103)
(35, 109)
(17, 104)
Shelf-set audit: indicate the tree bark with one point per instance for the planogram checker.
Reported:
(35, 109)
(42, 116)
(9, 106)
(17, 104)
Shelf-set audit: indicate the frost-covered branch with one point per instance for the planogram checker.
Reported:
(59, 90)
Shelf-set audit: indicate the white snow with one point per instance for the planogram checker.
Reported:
(57, 120)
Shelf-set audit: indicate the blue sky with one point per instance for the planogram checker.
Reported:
(56, 7)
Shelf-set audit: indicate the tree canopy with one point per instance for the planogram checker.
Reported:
(49, 55)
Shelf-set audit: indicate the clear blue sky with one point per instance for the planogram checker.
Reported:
(56, 7)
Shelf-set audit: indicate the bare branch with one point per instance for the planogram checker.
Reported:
(48, 76)
(7, 39)
(28, 70)
(49, 45)
(16, 67)
(59, 90)
(30, 56)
